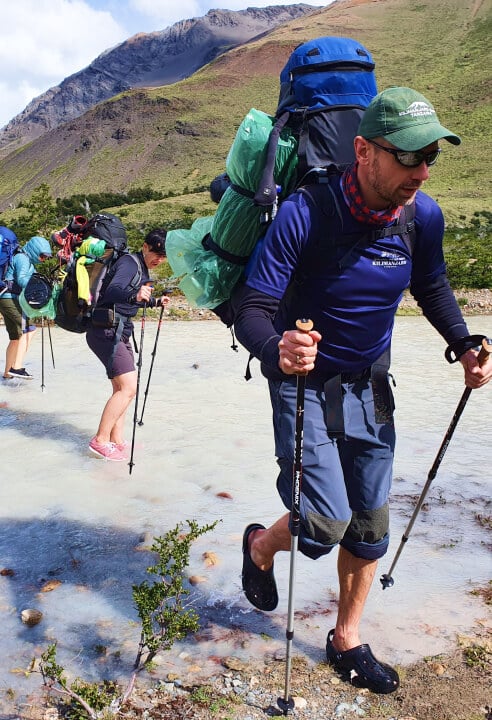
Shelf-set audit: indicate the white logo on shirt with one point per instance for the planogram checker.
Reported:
(389, 259)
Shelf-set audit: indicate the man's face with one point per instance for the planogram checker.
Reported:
(392, 183)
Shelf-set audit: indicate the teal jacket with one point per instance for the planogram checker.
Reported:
(22, 265)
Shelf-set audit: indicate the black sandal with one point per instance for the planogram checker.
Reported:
(259, 585)
(361, 668)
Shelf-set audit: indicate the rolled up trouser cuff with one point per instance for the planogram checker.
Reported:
(366, 551)
(311, 548)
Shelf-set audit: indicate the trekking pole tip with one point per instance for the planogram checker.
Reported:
(286, 706)
(386, 581)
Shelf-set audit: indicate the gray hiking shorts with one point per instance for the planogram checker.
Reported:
(118, 359)
(346, 479)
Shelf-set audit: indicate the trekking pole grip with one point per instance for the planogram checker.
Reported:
(485, 351)
(304, 325)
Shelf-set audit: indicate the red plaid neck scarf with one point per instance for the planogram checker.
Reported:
(357, 206)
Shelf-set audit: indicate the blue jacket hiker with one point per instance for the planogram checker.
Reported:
(125, 290)
(20, 332)
(331, 256)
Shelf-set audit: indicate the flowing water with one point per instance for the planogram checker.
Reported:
(205, 452)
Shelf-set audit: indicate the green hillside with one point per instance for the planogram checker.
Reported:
(175, 138)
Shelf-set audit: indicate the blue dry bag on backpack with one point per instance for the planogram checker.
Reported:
(325, 86)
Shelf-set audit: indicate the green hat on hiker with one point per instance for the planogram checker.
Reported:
(405, 118)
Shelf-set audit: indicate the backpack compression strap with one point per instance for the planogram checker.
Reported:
(266, 194)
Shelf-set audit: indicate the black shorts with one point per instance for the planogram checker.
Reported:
(101, 342)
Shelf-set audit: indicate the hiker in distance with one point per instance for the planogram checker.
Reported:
(19, 270)
(128, 288)
(324, 258)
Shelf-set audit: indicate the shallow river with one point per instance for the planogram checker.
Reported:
(68, 517)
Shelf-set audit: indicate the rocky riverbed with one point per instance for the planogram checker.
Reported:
(455, 686)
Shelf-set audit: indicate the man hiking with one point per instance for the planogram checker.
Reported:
(330, 256)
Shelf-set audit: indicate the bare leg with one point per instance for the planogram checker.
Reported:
(263, 544)
(29, 336)
(118, 430)
(355, 578)
(10, 356)
(22, 348)
(113, 416)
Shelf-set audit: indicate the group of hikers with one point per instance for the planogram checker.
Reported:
(122, 298)
(349, 291)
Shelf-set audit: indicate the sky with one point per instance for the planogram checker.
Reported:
(45, 41)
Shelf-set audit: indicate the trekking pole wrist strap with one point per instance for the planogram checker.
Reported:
(459, 347)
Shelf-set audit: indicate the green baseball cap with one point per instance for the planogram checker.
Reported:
(405, 118)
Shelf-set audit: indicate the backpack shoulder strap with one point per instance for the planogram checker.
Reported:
(405, 228)
(325, 200)
(322, 196)
(135, 282)
(137, 278)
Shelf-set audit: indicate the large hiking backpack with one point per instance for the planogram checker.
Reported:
(325, 87)
(8, 246)
(104, 241)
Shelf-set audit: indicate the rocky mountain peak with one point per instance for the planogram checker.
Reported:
(145, 59)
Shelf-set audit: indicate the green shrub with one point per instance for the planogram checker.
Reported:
(468, 253)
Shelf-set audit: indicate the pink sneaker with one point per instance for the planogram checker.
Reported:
(108, 451)
(123, 448)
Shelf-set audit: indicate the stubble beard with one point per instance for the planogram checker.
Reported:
(392, 197)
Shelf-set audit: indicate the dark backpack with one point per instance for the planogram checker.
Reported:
(106, 227)
(325, 87)
(39, 297)
(74, 313)
(8, 246)
(38, 291)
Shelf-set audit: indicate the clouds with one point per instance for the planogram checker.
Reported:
(45, 41)
(165, 13)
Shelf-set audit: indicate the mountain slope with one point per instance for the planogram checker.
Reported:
(176, 138)
(153, 59)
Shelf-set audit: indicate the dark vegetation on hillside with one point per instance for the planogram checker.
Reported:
(467, 244)
(176, 137)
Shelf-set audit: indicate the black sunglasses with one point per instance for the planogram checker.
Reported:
(408, 158)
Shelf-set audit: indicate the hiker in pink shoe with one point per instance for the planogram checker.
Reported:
(125, 289)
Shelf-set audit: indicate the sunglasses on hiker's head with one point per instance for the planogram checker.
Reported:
(410, 159)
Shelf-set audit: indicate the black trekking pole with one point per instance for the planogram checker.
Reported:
(42, 353)
(154, 351)
(139, 372)
(387, 579)
(286, 703)
(51, 343)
